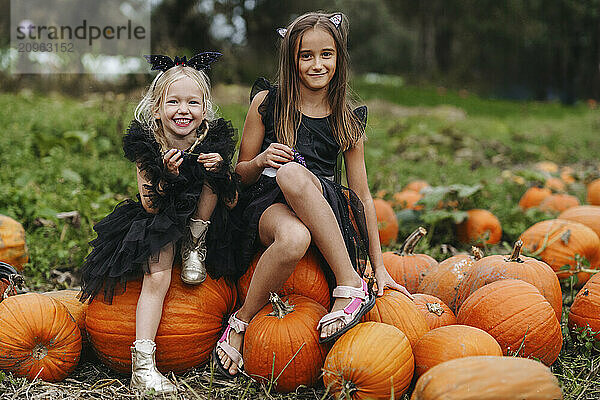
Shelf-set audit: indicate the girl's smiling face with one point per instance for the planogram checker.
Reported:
(182, 110)
(317, 57)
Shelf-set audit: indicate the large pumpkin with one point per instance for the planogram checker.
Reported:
(307, 279)
(450, 342)
(481, 226)
(488, 378)
(514, 266)
(192, 322)
(70, 299)
(560, 243)
(558, 202)
(282, 343)
(13, 249)
(434, 310)
(533, 197)
(407, 268)
(370, 361)
(585, 310)
(593, 192)
(394, 308)
(39, 338)
(386, 222)
(444, 281)
(586, 215)
(517, 316)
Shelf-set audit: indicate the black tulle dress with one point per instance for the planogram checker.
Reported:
(321, 155)
(129, 235)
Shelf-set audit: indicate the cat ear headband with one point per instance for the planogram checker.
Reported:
(200, 62)
(335, 19)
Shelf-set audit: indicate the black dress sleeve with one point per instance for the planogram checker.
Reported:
(361, 113)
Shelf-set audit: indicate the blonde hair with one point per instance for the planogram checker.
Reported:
(346, 126)
(154, 99)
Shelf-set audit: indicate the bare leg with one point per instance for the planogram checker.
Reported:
(206, 204)
(154, 288)
(287, 239)
(304, 194)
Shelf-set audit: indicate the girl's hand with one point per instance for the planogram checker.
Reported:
(383, 279)
(210, 161)
(172, 160)
(275, 156)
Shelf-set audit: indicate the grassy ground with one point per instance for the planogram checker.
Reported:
(61, 154)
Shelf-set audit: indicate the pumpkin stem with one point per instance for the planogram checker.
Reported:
(435, 308)
(280, 308)
(516, 253)
(411, 241)
(476, 253)
(39, 351)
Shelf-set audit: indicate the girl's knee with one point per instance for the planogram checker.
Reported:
(293, 178)
(294, 241)
(158, 281)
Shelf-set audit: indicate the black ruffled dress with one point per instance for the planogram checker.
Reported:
(322, 156)
(129, 235)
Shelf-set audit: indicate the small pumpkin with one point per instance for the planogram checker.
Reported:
(434, 310)
(585, 310)
(70, 299)
(593, 192)
(546, 166)
(282, 343)
(13, 248)
(514, 266)
(409, 269)
(39, 338)
(444, 281)
(192, 321)
(561, 243)
(407, 199)
(488, 378)
(394, 308)
(308, 279)
(517, 316)
(480, 226)
(533, 197)
(370, 361)
(450, 342)
(558, 202)
(556, 184)
(586, 215)
(566, 174)
(417, 185)
(386, 222)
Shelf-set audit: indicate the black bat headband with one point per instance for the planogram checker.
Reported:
(200, 61)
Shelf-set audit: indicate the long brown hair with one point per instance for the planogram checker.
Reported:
(346, 127)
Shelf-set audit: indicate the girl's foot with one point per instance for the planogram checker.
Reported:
(227, 353)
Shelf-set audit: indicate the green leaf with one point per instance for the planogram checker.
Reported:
(70, 176)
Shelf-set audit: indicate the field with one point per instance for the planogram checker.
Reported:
(62, 154)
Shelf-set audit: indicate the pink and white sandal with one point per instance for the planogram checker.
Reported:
(362, 302)
(238, 326)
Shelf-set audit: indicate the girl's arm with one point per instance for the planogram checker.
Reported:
(357, 181)
(251, 162)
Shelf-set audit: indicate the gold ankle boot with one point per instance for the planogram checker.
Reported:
(144, 375)
(193, 253)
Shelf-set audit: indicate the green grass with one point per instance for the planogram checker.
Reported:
(61, 154)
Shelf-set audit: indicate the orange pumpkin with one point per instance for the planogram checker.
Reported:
(70, 299)
(556, 184)
(282, 343)
(450, 342)
(546, 166)
(192, 321)
(394, 308)
(481, 226)
(493, 268)
(533, 197)
(386, 222)
(488, 378)
(585, 310)
(409, 269)
(307, 279)
(407, 199)
(558, 202)
(559, 243)
(586, 215)
(444, 281)
(593, 192)
(370, 361)
(434, 310)
(517, 316)
(38, 338)
(417, 185)
(13, 249)
(566, 174)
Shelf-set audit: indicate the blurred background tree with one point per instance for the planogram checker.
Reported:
(536, 49)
